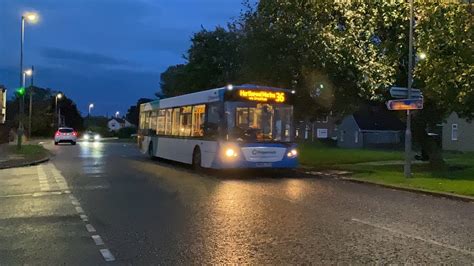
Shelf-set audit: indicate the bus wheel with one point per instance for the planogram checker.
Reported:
(150, 150)
(197, 159)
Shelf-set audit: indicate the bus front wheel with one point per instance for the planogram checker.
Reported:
(197, 159)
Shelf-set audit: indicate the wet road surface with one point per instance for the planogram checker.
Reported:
(98, 202)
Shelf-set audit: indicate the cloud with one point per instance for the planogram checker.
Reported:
(83, 57)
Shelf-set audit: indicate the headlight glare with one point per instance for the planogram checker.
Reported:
(230, 152)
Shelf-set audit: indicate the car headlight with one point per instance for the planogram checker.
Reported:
(292, 153)
(86, 136)
(230, 152)
(96, 137)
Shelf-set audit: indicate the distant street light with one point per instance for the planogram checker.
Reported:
(26, 73)
(57, 111)
(90, 108)
(30, 72)
(30, 17)
(117, 114)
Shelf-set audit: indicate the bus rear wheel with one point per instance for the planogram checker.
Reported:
(197, 159)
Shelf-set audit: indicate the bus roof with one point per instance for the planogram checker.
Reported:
(207, 96)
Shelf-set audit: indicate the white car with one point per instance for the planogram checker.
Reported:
(65, 134)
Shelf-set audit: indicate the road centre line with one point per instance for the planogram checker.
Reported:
(79, 209)
(98, 240)
(90, 228)
(84, 218)
(107, 254)
(398, 232)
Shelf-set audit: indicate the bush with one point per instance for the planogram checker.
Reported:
(126, 132)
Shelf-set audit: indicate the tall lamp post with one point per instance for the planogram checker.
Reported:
(58, 97)
(29, 73)
(117, 114)
(30, 17)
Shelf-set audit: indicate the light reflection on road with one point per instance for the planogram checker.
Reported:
(93, 155)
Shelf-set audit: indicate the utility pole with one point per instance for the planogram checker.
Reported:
(30, 110)
(408, 136)
(21, 100)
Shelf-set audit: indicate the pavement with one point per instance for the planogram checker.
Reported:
(98, 203)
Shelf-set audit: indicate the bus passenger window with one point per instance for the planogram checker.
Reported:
(168, 122)
(185, 125)
(161, 122)
(176, 123)
(199, 112)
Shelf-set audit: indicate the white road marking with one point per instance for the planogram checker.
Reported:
(67, 191)
(79, 209)
(398, 232)
(75, 202)
(72, 197)
(84, 218)
(90, 228)
(98, 240)
(107, 254)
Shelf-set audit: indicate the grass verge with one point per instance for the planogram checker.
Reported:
(29, 152)
(321, 156)
(456, 178)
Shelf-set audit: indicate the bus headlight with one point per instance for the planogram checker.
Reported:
(97, 137)
(230, 152)
(292, 153)
(86, 136)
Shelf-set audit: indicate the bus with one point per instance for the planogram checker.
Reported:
(246, 126)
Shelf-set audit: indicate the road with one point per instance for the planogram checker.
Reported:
(98, 203)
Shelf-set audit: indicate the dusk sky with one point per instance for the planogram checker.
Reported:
(108, 52)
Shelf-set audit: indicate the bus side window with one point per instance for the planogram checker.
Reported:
(168, 122)
(199, 112)
(175, 122)
(161, 122)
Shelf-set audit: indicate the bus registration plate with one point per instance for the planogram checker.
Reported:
(264, 164)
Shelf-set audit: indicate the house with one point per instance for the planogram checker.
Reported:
(372, 127)
(115, 124)
(458, 134)
(3, 104)
(322, 128)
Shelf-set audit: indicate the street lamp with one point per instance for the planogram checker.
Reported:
(117, 114)
(90, 108)
(57, 111)
(29, 73)
(30, 17)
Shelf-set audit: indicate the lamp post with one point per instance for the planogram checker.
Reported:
(90, 108)
(58, 96)
(30, 17)
(117, 114)
(29, 73)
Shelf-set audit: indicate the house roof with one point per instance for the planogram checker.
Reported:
(120, 120)
(378, 119)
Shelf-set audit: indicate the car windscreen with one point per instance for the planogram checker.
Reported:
(66, 130)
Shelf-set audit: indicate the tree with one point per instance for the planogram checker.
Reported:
(213, 61)
(43, 111)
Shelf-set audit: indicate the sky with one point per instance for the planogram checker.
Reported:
(106, 52)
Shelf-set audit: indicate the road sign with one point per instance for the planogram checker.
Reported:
(402, 93)
(405, 104)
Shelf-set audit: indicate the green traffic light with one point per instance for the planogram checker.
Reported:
(21, 91)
